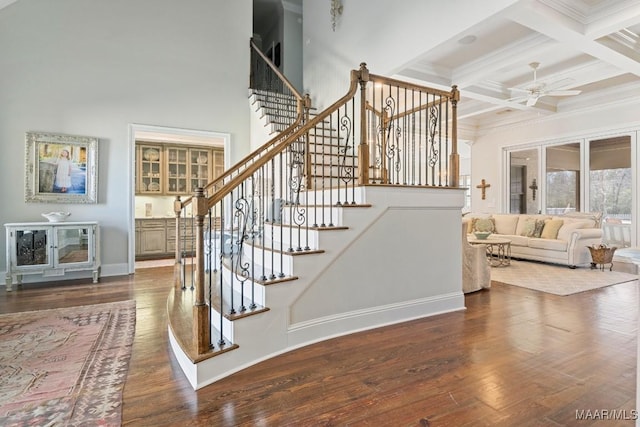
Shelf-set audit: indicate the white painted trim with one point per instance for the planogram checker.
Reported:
(342, 324)
(135, 128)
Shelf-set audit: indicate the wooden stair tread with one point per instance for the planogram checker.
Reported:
(263, 282)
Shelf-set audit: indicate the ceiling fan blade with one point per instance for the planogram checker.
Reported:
(563, 92)
(517, 89)
(531, 101)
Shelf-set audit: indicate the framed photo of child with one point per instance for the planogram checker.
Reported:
(61, 168)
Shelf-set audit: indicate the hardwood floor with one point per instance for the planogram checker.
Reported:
(515, 357)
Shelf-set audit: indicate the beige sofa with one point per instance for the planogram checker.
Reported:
(565, 242)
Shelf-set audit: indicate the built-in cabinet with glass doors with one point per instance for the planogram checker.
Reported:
(164, 169)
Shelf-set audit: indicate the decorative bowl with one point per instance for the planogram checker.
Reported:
(56, 216)
(482, 235)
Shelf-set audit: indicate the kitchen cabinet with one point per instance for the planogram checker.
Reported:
(156, 237)
(166, 169)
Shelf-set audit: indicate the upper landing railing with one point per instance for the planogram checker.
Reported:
(381, 132)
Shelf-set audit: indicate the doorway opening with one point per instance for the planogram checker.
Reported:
(165, 163)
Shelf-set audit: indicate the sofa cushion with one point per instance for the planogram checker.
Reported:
(548, 244)
(551, 228)
(529, 227)
(569, 227)
(505, 223)
(522, 220)
(518, 240)
(483, 224)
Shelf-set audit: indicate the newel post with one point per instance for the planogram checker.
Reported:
(363, 148)
(454, 158)
(201, 331)
(177, 268)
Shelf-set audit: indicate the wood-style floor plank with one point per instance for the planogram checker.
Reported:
(515, 357)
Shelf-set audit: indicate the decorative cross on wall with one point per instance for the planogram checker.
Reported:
(534, 187)
(483, 186)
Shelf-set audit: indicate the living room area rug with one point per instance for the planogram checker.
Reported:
(557, 279)
(67, 366)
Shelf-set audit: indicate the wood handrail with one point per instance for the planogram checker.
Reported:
(251, 169)
(264, 147)
(407, 85)
(276, 70)
(304, 103)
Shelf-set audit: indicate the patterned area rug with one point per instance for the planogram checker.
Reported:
(65, 367)
(558, 280)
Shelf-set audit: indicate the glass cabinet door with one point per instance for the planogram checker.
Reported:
(32, 247)
(218, 163)
(72, 245)
(200, 166)
(177, 170)
(150, 169)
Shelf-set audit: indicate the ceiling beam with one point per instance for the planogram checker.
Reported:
(557, 26)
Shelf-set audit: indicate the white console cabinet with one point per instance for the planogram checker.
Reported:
(51, 249)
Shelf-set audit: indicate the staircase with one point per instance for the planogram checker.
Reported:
(343, 221)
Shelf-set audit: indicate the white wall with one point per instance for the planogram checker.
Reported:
(92, 67)
(292, 45)
(367, 32)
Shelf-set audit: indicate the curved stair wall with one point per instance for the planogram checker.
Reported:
(345, 220)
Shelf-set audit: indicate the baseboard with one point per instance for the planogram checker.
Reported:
(316, 330)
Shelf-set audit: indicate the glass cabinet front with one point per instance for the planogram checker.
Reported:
(200, 164)
(72, 245)
(177, 170)
(32, 247)
(150, 169)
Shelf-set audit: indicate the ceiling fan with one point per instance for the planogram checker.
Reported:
(537, 90)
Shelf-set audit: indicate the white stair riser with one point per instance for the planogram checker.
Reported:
(227, 326)
(344, 194)
(238, 285)
(315, 215)
(282, 263)
(292, 236)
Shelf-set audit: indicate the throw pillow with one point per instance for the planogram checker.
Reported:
(529, 227)
(484, 224)
(551, 228)
(537, 231)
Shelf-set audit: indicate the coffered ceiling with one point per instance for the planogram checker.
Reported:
(591, 46)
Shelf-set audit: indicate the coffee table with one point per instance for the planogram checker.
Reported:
(498, 249)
